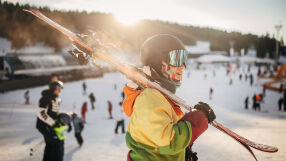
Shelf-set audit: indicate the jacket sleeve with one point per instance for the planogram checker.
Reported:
(53, 108)
(45, 112)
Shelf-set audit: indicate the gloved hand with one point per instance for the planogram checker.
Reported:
(199, 123)
(207, 110)
(69, 128)
(57, 124)
(190, 155)
(82, 49)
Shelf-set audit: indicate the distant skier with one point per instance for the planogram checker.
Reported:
(158, 130)
(240, 77)
(245, 76)
(280, 103)
(122, 95)
(259, 99)
(48, 122)
(78, 125)
(246, 102)
(109, 109)
(251, 79)
(211, 93)
(92, 100)
(120, 120)
(84, 88)
(84, 111)
(254, 102)
(27, 97)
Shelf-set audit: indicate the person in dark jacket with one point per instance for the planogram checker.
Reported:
(211, 93)
(48, 113)
(246, 102)
(280, 103)
(78, 125)
(254, 102)
(251, 79)
(84, 88)
(92, 100)
(27, 97)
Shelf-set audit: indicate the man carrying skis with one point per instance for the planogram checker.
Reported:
(158, 130)
(48, 122)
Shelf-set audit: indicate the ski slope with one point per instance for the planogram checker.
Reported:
(18, 133)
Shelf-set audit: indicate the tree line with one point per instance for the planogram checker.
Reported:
(23, 29)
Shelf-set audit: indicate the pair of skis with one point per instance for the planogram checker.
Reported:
(139, 77)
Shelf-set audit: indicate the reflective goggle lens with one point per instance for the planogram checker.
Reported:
(178, 57)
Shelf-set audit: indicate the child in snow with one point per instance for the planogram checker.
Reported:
(158, 130)
(78, 125)
(83, 111)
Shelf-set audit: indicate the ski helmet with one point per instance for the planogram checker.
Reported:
(56, 84)
(64, 118)
(163, 47)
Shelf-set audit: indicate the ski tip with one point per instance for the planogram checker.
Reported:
(26, 10)
(33, 11)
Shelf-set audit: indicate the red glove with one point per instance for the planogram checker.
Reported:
(199, 123)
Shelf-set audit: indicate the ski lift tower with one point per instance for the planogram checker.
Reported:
(278, 28)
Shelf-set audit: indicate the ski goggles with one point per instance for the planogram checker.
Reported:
(178, 57)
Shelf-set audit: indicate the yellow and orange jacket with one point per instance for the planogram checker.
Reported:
(155, 131)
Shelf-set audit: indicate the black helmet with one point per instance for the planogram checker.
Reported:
(157, 48)
(56, 84)
(64, 118)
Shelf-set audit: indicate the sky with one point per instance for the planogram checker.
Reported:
(246, 16)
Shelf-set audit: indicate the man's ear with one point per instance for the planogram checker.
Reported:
(164, 67)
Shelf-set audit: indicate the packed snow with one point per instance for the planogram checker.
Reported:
(18, 133)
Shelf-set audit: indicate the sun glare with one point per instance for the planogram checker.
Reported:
(127, 19)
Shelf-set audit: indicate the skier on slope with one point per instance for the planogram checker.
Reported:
(84, 111)
(49, 122)
(78, 125)
(158, 129)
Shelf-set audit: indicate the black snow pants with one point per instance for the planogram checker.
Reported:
(79, 138)
(54, 149)
(120, 123)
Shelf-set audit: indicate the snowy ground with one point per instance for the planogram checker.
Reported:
(18, 133)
